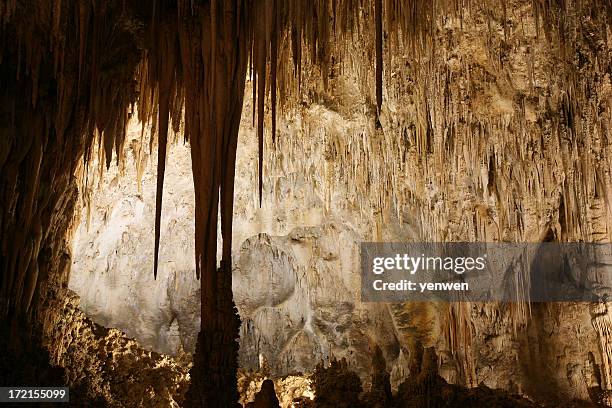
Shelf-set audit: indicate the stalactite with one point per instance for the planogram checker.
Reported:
(213, 104)
(166, 57)
(56, 128)
(379, 54)
(260, 55)
(274, 65)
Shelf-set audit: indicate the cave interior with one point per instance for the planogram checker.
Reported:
(515, 96)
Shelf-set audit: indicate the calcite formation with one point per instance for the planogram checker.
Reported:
(300, 308)
(109, 368)
(457, 121)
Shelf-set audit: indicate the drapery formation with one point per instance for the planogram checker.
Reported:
(73, 70)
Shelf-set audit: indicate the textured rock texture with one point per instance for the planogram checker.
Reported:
(499, 134)
(289, 389)
(301, 307)
(114, 252)
(105, 367)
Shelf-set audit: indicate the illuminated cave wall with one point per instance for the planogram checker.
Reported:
(498, 132)
(501, 135)
(295, 269)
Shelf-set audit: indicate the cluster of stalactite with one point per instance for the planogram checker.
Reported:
(502, 137)
(438, 125)
(67, 79)
(72, 72)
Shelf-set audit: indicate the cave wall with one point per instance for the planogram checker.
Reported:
(67, 80)
(482, 142)
(114, 245)
(288, 258)
(49, 114)
(72, 73)
(500, 134)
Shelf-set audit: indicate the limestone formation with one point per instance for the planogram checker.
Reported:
(390, 120)
(266, 397)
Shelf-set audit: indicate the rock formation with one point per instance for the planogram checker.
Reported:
(266, 397)
(336, 386)
(452, 122)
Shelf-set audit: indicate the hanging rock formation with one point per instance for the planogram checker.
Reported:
(492, 125)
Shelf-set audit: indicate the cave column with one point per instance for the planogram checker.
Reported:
(214, 54)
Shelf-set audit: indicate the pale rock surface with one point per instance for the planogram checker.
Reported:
(296, 266)
(113, 253)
